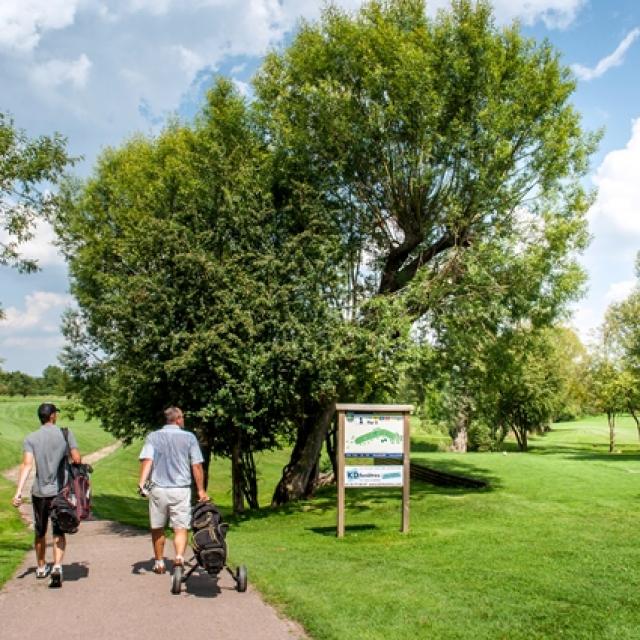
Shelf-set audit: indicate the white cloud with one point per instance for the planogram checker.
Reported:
(555, 14)
(619, 291)
(244, 88)
(190, 61)
(58, 72)
(23, 22)
(618, 202)
(41, 247)
(155, 7)
(42, 311)
(608, 62)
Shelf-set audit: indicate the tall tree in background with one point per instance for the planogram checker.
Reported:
(621, 331)
(439, 144)
(195, 289)
(28, 167)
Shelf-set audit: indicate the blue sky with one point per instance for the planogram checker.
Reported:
(99, 70)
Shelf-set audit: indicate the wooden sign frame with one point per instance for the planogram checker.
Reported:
(385, 409)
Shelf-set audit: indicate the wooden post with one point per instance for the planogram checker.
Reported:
(340, 478)
(406, 474)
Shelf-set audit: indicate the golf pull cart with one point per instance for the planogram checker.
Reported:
(209, 548)
(182, 573)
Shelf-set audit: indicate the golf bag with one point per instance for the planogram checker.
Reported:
(209, 532)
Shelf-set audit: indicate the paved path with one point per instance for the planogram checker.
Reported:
(110, 592)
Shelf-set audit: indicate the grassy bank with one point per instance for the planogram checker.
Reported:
(551, 550)
(18, 417)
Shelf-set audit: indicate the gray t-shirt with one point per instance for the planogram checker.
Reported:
(48, 448)
(173, 451)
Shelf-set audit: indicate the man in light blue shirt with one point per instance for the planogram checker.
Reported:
(168, 459)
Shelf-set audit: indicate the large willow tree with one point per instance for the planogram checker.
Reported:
(452, 156)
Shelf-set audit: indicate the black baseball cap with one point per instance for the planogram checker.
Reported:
(46, 410)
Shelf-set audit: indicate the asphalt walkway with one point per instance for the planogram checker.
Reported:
(110, 591)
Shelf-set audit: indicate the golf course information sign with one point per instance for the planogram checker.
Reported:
(373, 435)
(379, 432)
(373, 476)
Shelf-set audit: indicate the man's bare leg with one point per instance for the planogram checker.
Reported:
(59, 546)
(157, 537)
(180, 542)
(41, 549)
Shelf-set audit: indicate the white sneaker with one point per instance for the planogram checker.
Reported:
(56, 577)
(43, 572)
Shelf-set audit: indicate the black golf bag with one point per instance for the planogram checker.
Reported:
(209, 532)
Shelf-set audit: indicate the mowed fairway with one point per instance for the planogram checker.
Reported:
(551, 550)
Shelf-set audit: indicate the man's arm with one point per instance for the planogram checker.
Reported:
(74, 452)
(145, 470)
(198, 476)
(25, 469)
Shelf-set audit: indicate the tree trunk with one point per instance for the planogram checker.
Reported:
(249, 478)
(460, 440)
(236, 476)
(460, 431)
(298, 478)
(611, 419)
(521, 437)
(635, 417)
(331, 443)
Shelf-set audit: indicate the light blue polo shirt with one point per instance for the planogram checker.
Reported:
(173, 451)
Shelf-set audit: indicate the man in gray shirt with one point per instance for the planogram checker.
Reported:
(168, 458)
(46, 448)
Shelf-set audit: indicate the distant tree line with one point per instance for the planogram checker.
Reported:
(54, 381)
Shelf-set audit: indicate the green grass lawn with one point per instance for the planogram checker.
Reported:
(551, 550)
(15, 539)
(17, 418)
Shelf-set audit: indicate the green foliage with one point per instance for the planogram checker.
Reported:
(270, 259)
(26, 168)
(432, 137)
(16, 383)
(453, 157)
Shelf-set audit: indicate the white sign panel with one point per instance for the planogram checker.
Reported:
(373, 476)
(373, 435)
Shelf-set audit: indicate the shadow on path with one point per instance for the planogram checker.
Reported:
(72, 572)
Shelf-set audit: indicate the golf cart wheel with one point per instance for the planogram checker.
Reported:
(176, 579)
(241, 578)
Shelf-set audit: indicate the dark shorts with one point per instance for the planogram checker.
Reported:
(41, 515)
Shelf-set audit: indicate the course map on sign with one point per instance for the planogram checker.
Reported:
(373, 435)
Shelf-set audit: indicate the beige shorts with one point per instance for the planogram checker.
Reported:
(173, 505)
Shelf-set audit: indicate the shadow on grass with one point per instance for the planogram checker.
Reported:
(587, 452)
(363, 500)
(349, 528)
(604, 457)
(460, 467)
(420, 446)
